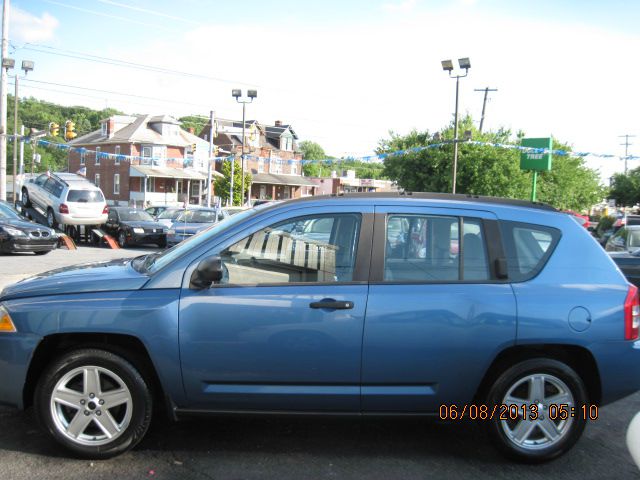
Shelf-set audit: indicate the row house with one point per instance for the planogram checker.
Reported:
(271, 157)
(169, 170)
(348, 182)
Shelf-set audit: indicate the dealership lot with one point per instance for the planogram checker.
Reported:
(317, 447)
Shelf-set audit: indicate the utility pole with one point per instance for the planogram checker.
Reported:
(486, 91)
(626, 149)
(3, 101)
(211, 155)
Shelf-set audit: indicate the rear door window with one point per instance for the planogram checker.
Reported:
(528, 247)
(85, 196)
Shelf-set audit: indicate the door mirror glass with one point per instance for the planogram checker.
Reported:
(207, 272)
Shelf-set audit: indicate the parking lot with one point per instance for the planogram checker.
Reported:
(318, 447)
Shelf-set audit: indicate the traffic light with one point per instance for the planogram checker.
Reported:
(193, 148)
(54, 129)
(69, 130)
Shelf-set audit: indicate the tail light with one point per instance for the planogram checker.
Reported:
(63, 208)
(105, 210)
(632, 314)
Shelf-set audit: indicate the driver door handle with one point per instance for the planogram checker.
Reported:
(332, 304)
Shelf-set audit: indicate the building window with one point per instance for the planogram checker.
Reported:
(294, 168)
(82, 158)
(146, 154)
(260, 165)
(104, 128)
(117, 152)
(97, 180)
(97, 156)
(116, 184)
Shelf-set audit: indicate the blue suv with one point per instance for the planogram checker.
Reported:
(500, 311)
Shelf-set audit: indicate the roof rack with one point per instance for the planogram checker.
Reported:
(439, 196)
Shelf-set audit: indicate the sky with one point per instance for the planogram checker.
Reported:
(345, 73)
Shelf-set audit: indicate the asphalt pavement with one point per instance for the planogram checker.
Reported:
(299, 448)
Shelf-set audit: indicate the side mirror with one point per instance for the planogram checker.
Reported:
(206, 273)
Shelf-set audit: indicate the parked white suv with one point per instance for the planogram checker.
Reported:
(66, 199)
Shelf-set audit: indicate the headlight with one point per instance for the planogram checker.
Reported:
(14, 232)
(6, 324)
(138, 230)
(171, 231)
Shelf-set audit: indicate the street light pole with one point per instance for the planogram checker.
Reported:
(27, 66)
(251, 94)
(3, 99)
(242, 202)
(447, 66)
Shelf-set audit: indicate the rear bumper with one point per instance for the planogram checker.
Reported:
(619, 366)
(69, 219)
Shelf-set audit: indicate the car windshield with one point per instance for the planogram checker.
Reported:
(154, 263)
(85, 196)
(197, 216)
(135, 215)
(169, 214)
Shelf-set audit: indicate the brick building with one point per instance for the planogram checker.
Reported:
(272, 157)
(169, 170)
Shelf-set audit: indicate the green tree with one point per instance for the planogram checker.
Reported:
(222, 184)
(312, 151)
(486, 170)
(626, 188)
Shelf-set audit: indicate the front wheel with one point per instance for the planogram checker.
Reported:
(545, 392)
(94, 402)
(122, 239)
(51, 219)
(26, 201)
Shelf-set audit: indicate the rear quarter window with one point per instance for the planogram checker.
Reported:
(528, 248)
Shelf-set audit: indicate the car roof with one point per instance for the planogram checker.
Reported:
(451, 197)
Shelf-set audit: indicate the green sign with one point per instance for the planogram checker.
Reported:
(536, 161)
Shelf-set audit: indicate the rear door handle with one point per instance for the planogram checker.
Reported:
(332, 304)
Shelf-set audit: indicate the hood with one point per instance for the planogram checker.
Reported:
(142, 224)
(90, 277)
(24, 225)
(181, 227)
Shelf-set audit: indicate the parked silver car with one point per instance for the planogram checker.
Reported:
(65, 199)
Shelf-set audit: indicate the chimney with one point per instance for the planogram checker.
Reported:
(278, 123)
(111, 126)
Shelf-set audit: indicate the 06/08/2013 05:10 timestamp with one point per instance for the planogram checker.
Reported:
(521, 411)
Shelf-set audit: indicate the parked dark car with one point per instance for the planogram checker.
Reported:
(626, 239)
(526, 326)
(629, 263)
(134, 227)
(17, 234)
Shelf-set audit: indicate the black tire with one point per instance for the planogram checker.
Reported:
(122, 238)
(52, 415)
(43, 252)
(26, 201)
(162, 243)
(51, 219)
(554, 374)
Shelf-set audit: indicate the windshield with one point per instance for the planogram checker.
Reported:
(170, 214)
(157, 262)
(85, 196)
(197, 216)
(135, 215)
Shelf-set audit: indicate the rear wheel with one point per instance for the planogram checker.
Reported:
(51, 219)
(545, 392)
(26, 201)
(94, 402)
(43, 252)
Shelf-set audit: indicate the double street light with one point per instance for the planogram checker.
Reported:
(447, 66)
(251, 95)
(27, 66)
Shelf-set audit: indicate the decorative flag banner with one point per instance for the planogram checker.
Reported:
(374, 158)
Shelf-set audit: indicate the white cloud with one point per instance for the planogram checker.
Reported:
(26, 27)
(405, 6)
